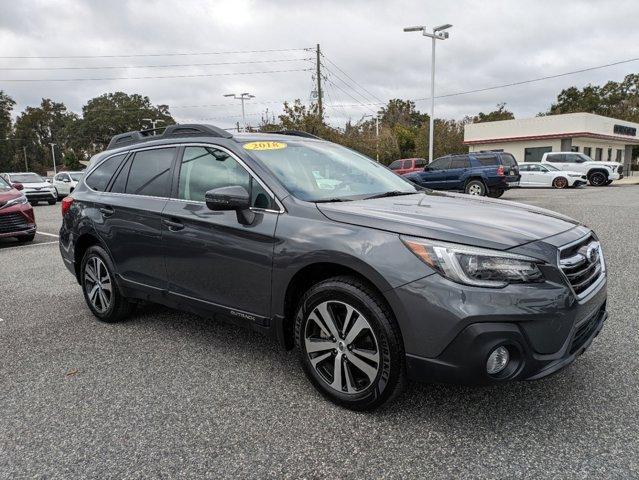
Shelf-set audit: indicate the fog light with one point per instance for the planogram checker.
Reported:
(497, 360)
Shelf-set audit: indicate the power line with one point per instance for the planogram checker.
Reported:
(140, 55)
(149, 77)
(359, 104)
(114, 67)
(348, 85)
(352, 79)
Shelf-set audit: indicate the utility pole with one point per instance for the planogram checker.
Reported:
(242, 98)
(439, 33)
(377, 136)
(26, 165)
(319, 84)
(55, 171)
(153, 122)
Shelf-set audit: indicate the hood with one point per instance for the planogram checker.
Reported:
(8, 195)
(37, 185)
(451, 217)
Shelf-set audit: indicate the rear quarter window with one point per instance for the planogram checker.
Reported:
(508, 160)
(488, 161)
(554, 157)
(100, 177)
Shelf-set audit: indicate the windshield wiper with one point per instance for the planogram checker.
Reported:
(393, 193)
(330, 200)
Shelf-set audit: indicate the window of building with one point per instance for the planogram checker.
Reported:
(619, 156)
(588, 151)
(99, 178)
(574, 148)
(534, 154)
(598, 154)
(205, 168)
(609, 154)
(150, 173)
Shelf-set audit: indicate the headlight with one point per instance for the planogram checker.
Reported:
(475, 266)
(16, 201)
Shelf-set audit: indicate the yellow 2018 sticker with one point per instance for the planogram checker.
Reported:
(264, 145)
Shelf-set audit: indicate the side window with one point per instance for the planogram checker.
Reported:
(99, 178)
(119, 184)
(571, 158)
(408, 164)
(525, 168)
(459, 162)
(508, 160)
(150, 173)
(440, 164)
(205, 168)
(395, 165)
(536, 168)
(420, 163)
(555, 158)
(488, 161)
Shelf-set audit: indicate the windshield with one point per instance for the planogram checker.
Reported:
(76, 176)
(26, 178)
(4, 186)
(314, 171)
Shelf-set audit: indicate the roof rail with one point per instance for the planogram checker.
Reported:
(172, 131)
(296, 133)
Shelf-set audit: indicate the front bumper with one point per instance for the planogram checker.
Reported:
(40, 194)
(17, 221)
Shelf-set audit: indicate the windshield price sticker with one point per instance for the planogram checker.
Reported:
(265, 146)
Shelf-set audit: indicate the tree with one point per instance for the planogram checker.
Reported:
(114, 113)
(401, 112)
(71, 161)
(6, 147)
(37, 127)
(499, 114)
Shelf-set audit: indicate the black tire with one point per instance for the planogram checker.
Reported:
(495, 193)
(26, 238)
(608, 182)
(118, 307)
(560, 182)
(33, 202)
(52, 202)
(475, 187)
(597, 179)
(390, 377)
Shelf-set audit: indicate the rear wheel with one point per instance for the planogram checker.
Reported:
(101, 293)
(350, 346)
(597, 179)
(560, 182)
(475, 187)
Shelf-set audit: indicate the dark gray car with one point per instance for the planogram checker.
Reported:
(374, 280)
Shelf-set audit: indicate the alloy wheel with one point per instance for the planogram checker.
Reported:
(561, 182)
(475, 189)
(597, 179)
(97, 284)
(341, 347)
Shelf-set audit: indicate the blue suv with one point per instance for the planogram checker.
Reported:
(480, 173)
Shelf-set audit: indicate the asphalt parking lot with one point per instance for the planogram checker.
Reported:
(169, 394)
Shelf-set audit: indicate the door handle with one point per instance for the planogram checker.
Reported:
(107, 211)
(174, 225)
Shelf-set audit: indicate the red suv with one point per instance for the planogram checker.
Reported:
(408, 165)
(16, 214)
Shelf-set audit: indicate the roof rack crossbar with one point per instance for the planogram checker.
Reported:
(296, 133)
(171, 131)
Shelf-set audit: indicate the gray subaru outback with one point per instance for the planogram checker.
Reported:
(374, 280)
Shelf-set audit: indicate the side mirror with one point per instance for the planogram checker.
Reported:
(17, 186)
(231, 198)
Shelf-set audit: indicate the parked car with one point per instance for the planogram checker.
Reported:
(65, 182)
(34, 187)
(598, 173)
(546, 175)
(408, 165)
(482, 173)
(375, 281)
(16, 215)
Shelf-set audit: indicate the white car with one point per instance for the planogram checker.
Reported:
(598, 173)
(65, 182)
(33, 186)
(546, 175)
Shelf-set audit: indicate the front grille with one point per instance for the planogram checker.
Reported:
(584, 332)
(13, 222)
(582, 264)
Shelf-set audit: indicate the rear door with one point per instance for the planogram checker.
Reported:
(212, 258)
(130, 215)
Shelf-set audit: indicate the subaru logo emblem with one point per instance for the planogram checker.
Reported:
(592, 253)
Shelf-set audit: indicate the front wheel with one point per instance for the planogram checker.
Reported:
(560, 182)
(475, 187)
(350, 346)
(52, 202)
(598, 179)
(101, 293)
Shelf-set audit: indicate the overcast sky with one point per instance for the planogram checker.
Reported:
(492, 42)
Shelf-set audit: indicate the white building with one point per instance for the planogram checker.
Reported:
(601, 138)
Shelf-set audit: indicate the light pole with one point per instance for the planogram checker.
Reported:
(55, 171)
(241, 97)
(153, 122)
(439, 33)
(376, 132)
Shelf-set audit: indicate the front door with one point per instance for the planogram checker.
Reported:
(210, 256)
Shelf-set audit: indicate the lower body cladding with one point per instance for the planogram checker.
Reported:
(459, 334)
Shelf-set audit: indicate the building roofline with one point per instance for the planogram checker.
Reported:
(553, 136)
